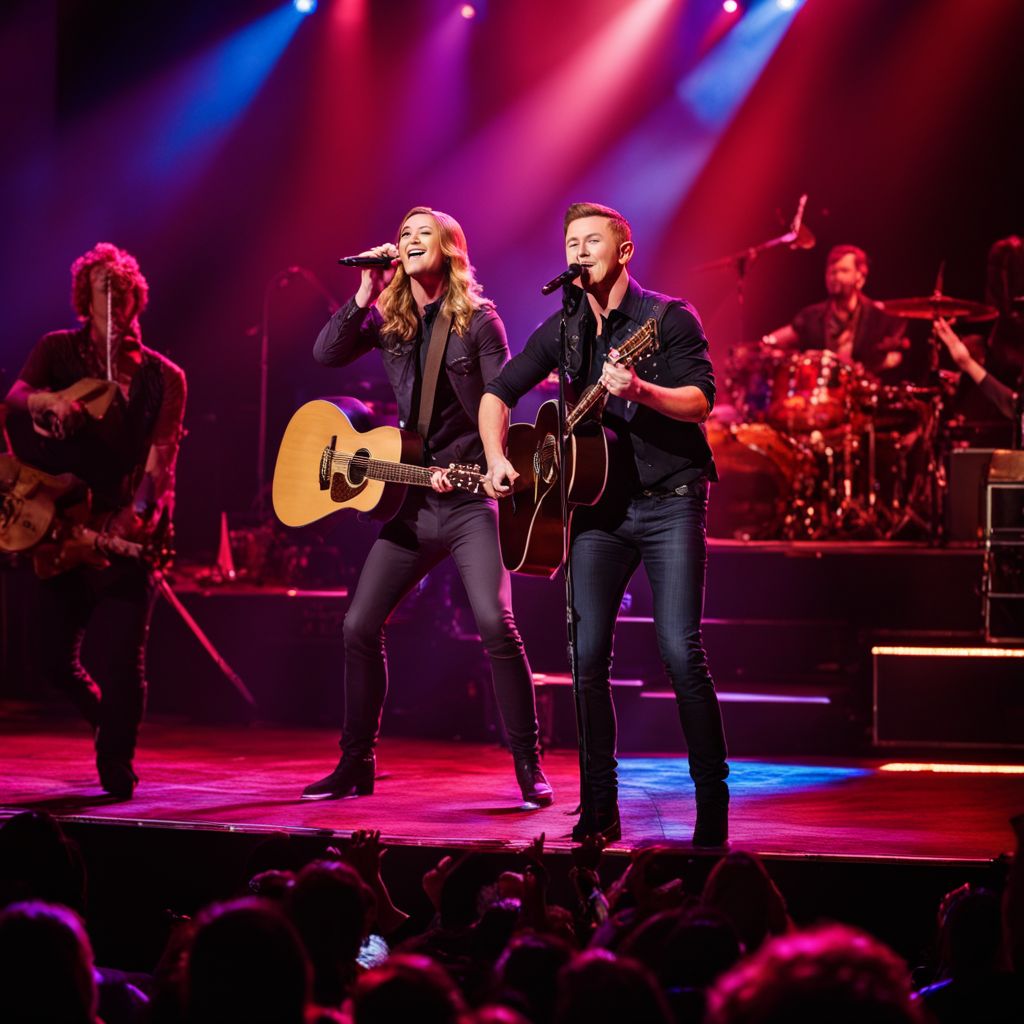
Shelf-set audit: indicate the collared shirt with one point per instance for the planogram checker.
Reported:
(650, 451)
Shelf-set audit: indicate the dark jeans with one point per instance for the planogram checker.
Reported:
(430, 527)
(608, 543)
(66, 606)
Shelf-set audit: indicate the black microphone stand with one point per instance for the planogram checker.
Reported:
(571, 298)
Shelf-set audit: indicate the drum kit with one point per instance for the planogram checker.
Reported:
(814, 448)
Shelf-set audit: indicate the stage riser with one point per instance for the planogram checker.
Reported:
(776, 616)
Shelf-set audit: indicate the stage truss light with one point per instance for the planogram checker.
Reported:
(730, 6)
(467, 11)
(304, 6)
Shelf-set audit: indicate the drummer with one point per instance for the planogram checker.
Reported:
(848, 323)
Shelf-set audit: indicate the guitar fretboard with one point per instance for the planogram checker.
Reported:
(382, 469)
(630, 351)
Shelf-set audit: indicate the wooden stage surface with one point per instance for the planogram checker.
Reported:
(430, 793)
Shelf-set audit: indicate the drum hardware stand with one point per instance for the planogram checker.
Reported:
(851, 514)
(928, 489)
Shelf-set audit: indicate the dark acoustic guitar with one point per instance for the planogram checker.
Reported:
(530, 517)
(325, 464)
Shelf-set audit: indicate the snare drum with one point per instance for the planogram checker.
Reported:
(810, 391)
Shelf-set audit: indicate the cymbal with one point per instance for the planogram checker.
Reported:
(929, 307)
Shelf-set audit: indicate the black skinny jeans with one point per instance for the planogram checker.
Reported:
(67, 604)
(429, 527)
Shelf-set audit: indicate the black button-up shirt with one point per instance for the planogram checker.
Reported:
(649, 451)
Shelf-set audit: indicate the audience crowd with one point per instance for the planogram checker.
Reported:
(326, 944)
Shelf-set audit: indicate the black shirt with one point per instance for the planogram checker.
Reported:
(111, 455)
(875, 332)
(470, 361)
(649, 451)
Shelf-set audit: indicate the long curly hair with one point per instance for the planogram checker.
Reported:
(464, 294)
(125, 278)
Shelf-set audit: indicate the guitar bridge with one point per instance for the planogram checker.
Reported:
(327, 464)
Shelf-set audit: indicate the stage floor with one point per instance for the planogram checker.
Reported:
(430, 793)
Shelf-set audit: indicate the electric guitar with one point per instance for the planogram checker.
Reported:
(530, 516)
(325, 464)
(50, 519)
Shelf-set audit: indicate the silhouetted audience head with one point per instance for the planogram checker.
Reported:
(497, 1015)
(971, 932)
(46, 966)
(599, 987)
(740, 887)
(246, 964)
(332, 908)
(38, 862)
(527, 973)
(688, 950)
(406, 988)
(496, 926)
(460, 895)
(830, 974)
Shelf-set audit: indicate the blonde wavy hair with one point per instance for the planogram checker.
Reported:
(464, 294)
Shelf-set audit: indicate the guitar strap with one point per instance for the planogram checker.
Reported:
(435, 353)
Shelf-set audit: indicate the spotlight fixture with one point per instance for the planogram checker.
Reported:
(304, 6)
(467, 11)
(730, 6)
(786, 5)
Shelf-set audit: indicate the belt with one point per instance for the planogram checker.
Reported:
(698, 489)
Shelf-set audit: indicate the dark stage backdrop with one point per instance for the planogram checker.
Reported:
(223, 142)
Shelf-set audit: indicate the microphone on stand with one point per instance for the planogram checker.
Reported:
(366, 261)
(566, 277)
(801, 235)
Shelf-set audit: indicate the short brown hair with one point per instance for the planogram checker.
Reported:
(860, 257)
(619, 225)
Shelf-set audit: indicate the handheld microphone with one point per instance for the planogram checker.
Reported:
(565, 277)
(366, 261)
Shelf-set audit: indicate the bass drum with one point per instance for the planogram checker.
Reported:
(763, 476)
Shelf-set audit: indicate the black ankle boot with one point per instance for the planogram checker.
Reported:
(353, 777)
(712, 826)
(117, 777)
(533, 784)
(604, 821)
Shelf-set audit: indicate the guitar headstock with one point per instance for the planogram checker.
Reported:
(639, 346)
(466, 478)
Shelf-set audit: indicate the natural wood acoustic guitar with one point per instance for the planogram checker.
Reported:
(325, 464)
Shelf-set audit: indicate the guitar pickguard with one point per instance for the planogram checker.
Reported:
(342, 490)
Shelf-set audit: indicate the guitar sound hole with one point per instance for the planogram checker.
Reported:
(357, 467)
(546, 461)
